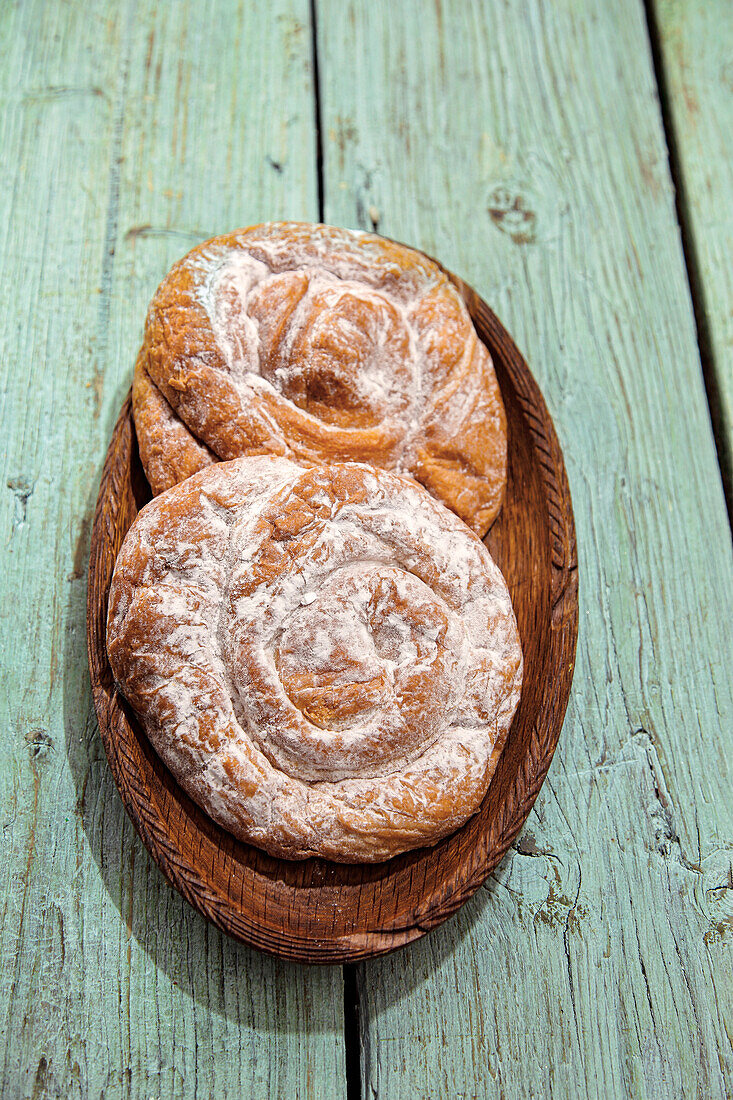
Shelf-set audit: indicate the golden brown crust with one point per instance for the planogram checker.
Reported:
(324, 345)
(326, 658)
(168, 451)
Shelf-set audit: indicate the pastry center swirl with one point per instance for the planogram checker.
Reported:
(348, 359)
(336, 348)
(369, 649)
(357, 659)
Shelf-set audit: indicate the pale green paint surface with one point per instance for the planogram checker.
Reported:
(123, 139)
(521, 143)
(696, 45)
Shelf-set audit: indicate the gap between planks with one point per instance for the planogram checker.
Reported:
(721, 434)
(352, 1042)
(317, 107)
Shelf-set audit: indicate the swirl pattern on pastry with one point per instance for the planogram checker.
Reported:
(327, 659)
(321, 345)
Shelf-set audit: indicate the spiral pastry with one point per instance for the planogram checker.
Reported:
(320, 345)
(327, 659)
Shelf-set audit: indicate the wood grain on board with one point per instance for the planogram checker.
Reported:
(522, 144)
(127, 132)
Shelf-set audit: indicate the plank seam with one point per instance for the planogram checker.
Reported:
(716, 408)
(352, 1045)
(113, 197)
(317, 107)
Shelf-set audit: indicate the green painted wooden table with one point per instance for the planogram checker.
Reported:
(572, 160)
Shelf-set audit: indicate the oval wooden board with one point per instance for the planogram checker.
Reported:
(317, 911)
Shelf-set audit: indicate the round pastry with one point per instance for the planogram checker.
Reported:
(326, 659)
(320, 345)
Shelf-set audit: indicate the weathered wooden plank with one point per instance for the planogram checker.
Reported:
(126, 132)
(696, 46)
(522, 144)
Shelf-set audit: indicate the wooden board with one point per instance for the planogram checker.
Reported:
(695, 41)
(126, 130)
(315, 910)
(523, 144)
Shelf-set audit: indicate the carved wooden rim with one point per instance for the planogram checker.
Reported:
(318, 911)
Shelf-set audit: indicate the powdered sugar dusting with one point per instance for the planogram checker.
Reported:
(326, 659)
(384, 373)
(325, 345)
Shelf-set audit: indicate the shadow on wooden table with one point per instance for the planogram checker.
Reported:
(166, 928)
